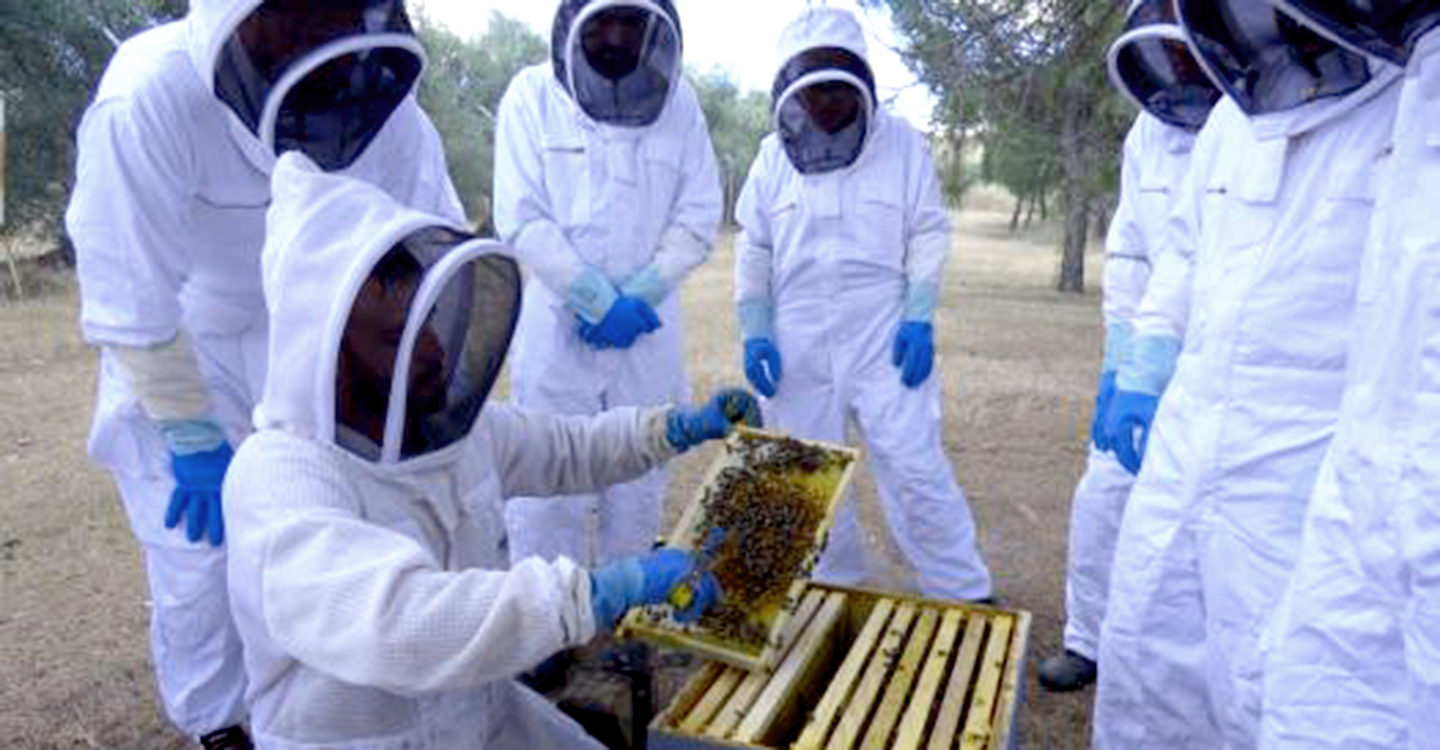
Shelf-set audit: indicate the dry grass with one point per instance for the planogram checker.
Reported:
(1018, 363)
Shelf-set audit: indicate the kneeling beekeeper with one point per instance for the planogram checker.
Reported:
(367, 562)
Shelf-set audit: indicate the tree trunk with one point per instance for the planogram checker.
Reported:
(1015, 215)
(1074, 197)
(1072, 258)
(1103, 214)
(1035, 200)
(1044, 207)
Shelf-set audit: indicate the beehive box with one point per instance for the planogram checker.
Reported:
(824, 487)
(864, 670)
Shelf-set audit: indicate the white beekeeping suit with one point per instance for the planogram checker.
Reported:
(1355, 657)
(168, 220)
(845, 239)
(1152, 67)
(368, 573)
(1271, 222)
(606, 186)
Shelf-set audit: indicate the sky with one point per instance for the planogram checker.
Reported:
(737, 35)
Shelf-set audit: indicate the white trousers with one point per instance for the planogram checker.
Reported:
(923, 503)
(1095, 516)
(198, 665)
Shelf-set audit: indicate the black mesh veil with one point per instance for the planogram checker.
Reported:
(619, 59)
(824, 102)
(1152, 66)
(437, 314)
(1387, 29)
(1266, 60)
(319, 77)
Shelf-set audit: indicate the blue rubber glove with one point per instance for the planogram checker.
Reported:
(198, 477)
(1103, 397)
(914, 352)
(652, 579)
(686, 428)
(762, 366)
(1149, 365)
(1127, 427)
(627, 320)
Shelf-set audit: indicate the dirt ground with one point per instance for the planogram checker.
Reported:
(1018, 362)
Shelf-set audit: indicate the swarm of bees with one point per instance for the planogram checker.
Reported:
(759, 531)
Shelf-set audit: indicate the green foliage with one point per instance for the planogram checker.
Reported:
(1028, 78)
(1024, 162)
(52, 54)
(738, 122)
(461, 92)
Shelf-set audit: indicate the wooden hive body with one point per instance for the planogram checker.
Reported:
(864, 670)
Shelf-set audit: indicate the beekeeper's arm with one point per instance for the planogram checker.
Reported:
(695, 216)
(755, 249)
(927, 247)
(370, 606)
(1164, 310)
(547, 454)
(1127, 256)
(1150, 359)
(126, 218)
(754, 272)
(132, 190)
(927, 234)
(524, 216)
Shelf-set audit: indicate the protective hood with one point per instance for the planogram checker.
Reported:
(322, 78)
(1387, 29)
(388, 326)
(1265, 59)
(823, 98)
(1151, 65)
(620, 60)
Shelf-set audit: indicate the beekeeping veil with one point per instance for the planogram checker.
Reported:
(1266, 60)
(1151, 65)
(388, 328)
(1387, 29)
(620, 60)
(318, 76)
(824, 95)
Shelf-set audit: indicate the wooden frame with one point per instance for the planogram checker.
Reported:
(865, 670)
(652, 624)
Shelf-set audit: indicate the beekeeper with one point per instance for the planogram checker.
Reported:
(168, 221)
(1355, 657)
(838, 274)
(1272, 219)
(606, 186)
(368, 573)
(1152, 67)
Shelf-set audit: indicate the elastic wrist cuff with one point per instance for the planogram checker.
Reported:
(186, 437)
(1117, 345)
(920, 303)
(591, 295)
(647, 285)
(757, 321)
(1149, 365)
